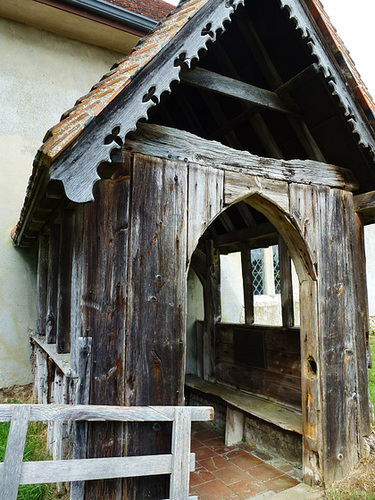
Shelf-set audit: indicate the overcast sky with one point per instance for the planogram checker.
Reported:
(355, 23)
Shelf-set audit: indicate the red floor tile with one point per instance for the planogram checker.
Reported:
(215, 490)
(246, 461)
(215, 463)
(204, 452)
(265, 472)
(231, 474)
(200, 476)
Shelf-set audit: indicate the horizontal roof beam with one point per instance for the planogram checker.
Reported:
(253, 233)
(173, 144)
(364, 204)
(230, 87)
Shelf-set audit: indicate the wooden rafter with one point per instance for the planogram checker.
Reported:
(230, 87)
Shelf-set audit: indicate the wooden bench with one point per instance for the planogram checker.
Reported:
(178, 463)
(239, 403)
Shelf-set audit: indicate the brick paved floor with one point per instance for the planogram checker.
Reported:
(236, 472)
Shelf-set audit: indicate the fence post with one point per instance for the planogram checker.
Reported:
(12, 470)
(179, 486)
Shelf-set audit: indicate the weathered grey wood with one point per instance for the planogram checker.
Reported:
(64, 282)
(250, 235)
(79, 173)
(234, 426)
(361, 339)
(247, 278)
(364, 204)
(41, 376)
(11, 470)
(166, 142)
(276, 413)
(101, 413)
(286, 285)
(274, 80)
(103, 313)
(311, 393)
(224, 85)
(82, 397)
(305, 24)
(205, 183)
(212, 309)
(181, 438)
(53, 266)
(61, 360)
(53, 471)
(41, 286)
(155, 361)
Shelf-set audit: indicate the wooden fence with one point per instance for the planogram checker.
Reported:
(178, 463)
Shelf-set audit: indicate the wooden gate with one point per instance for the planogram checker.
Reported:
(178, 463)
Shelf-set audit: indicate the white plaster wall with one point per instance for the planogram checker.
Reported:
(42, 75)
(370, 266)
(195, 311)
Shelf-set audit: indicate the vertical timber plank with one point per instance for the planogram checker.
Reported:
(42, 278)
(156, 307)
(181, 438)
(205, 201)
(286, 286)
(53, 266)
(82, 397)
(64, 282)
(12, 469)
(104, 272)
(212, 310)
(363, 331)
(326, 220)
(247, 278)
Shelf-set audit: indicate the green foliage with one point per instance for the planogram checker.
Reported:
(35, 449)
(371, 373)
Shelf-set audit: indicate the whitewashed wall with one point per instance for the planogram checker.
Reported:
(42, 75)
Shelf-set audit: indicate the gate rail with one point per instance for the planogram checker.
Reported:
(178, 463)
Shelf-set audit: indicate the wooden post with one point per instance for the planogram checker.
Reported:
(11, 474)
(104, 285)
(155, 361)
(53, 268)
(42, 278)
(326, 217)
(247, 278)
(286, 285)
(64, 282)
(212, 309)
(81, 398)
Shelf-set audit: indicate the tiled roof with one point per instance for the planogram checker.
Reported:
(342, 56)
(73, 121)
(154, 9)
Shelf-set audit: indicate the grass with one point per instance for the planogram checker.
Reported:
(35, 449)
(371, 373)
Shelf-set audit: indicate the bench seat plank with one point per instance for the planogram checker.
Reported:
(273, 412)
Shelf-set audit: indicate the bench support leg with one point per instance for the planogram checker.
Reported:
(234, 428)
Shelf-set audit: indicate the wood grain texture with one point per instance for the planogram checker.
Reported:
(286, 285)
(11, 470)
(181, 439)
(77, 166)
(52, 283)
(276, 413)
(205, 183)
(41, 286)
(103, 311)
(166, 142)
(64, 282)
(156, 303)
(237, 89)
(247, 278)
